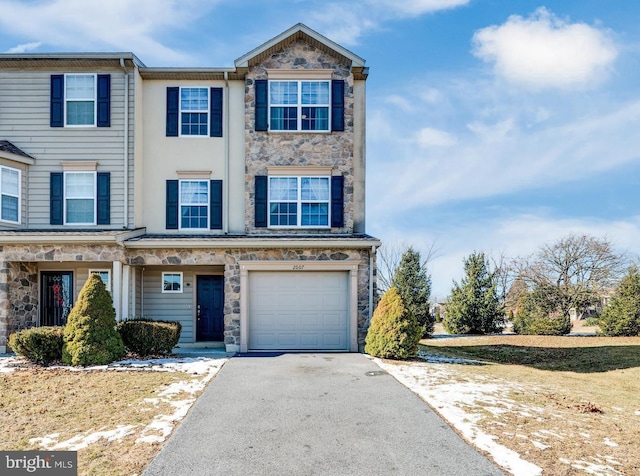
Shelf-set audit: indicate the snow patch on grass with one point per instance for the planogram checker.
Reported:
(83, 440)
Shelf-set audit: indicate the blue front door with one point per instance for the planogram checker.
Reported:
(210, 308)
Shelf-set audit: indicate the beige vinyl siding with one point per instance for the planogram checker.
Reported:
(170, 306)
(24, 120)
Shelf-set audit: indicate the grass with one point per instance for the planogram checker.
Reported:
(36, 402)
(575, 397)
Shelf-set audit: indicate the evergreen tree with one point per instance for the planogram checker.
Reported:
(536, 317)
(90, 336)
(622, 316)
(474, 306)
(394, 332)
(414, 286)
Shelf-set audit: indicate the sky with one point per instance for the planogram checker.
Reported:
(492, 125)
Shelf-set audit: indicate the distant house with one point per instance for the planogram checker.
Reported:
(229, 199)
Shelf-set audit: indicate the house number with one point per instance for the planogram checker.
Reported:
(298, 267)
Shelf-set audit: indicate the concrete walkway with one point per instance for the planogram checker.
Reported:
(313, 414)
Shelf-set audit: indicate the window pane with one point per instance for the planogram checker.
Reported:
(80, 211)
(193, 217)
(283, 92)
(283, 188)
(315, 118)
(194, 99)
(284, 118)
(315, 188)
(194, 124)
(10, 182)
(9, 208)
(171, 282)
(194, 192)
(315, 214)
(80, 113)
(79, 185)
(315, 92)
(80, 86)
(283, 214)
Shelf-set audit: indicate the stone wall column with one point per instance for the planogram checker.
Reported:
(5, 305)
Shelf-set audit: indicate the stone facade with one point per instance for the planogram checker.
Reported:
(325, 149)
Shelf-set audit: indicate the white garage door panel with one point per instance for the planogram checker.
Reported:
(298, 310)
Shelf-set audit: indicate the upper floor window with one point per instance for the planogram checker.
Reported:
(299, 105)
(194, 111)
(299, 202)
(9, 195)
(80, 198)
(194, 204)
(80, 99)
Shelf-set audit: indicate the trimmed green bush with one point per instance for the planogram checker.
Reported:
(90, 336)
(41, 345)
(148, 337)
(533, 319)
(394, 332)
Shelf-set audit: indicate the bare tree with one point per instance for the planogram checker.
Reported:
(388, 260)
(505, 273)
(573, 272)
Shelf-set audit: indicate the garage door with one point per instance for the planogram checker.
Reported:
(291, 310)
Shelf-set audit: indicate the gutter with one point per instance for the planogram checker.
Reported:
(259, 243)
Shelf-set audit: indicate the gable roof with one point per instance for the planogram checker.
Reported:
(301, 31)
(11, 152)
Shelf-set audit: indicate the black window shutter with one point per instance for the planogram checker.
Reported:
(56, 112)
(261, 201)
(216, 112)
(215, 202)
(104, 100)
(337, 201)
(337, 105)
(173, 106)
(262, 105)
(56, 197)
(172, 205)
(104, 198)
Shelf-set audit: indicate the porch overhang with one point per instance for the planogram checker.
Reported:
(25, 237)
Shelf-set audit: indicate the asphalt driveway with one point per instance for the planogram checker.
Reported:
(313, 414)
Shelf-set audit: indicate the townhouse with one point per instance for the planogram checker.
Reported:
(230, 199)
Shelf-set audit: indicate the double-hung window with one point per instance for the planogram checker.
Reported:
(299, 105)
(299, 202)
(80, 99)
(194, 111)
(194, 204)
(9, 195)
(80, 198)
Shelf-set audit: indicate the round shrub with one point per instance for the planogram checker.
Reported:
(41, 345)
(90, 336)
(148, 337)
(532, 319)
(394, 332)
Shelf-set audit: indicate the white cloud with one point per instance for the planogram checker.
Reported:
(120, 25)
(401, 102)
(429, 137)
(411, 8)
(25, 47)
(543, 51)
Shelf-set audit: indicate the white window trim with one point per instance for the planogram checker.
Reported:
(180, 204)
(172, 273)
(94, 198)
(95, 100)
(299, 203)
(299, 105)
(19, 196)
(98, 272)
(208, 111)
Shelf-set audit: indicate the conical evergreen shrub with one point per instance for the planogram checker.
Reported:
(622, 316)
(90, 336)
(394, 332)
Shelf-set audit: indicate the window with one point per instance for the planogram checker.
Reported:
(80, 198)
(105, 275)
(9, 195)
(299, 202)
(194, 203)
(80, 99)
(171, 282)
(194, 111)
(299, 105)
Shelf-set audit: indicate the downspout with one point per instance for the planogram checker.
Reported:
(125, 153)
(226, 133)
(371, 261)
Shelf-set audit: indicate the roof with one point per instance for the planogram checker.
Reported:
(11, 152)
(301, 31)
(53, 60)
